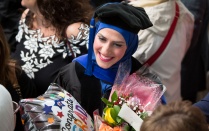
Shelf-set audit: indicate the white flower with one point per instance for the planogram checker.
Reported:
(120, 102)
(56, 43)
(76, 50)
(39, 49)
(29, 70)
(31, 44)
(64, 52)
(48, 61)
(26, 57)
(85, 29)
(40, 64)
(46, 51)
(134, 101)
(19, 35)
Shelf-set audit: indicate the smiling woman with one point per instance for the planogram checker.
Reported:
(91, 76)
(109, 47)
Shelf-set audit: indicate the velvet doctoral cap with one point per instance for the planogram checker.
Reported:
(121, 15)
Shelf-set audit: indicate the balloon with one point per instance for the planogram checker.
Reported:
(55, 110)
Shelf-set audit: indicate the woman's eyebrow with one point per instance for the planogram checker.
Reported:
(119, 42)
(100, 34)
(113, 41)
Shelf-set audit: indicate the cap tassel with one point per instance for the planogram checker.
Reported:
(90, 49)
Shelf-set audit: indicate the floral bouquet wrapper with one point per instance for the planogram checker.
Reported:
(133, 98)
(55, 110)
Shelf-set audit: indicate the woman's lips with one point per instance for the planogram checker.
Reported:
(105, 58)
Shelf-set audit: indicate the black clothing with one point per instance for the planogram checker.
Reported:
(194, 65)
(125, 16)
(9, 18)
(86, 89)
(41, 57)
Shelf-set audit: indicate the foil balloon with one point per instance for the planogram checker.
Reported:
(55, 110)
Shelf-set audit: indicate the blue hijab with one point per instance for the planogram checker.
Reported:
(89, 61)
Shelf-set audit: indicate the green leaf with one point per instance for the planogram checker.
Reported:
(113, 114)
(119, 120)
(108, 103)
(114, 96)
(116, 108)
(127, 128)
(143, 115)
(104, 110)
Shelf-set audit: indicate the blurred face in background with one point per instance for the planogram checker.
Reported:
(109, 47)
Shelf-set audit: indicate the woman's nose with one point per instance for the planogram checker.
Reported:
(106, 49)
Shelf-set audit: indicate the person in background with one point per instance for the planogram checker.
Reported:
(175, 116)
(113, 40)
(13, 78)
(7, 121)
(195, 63)
(51, 33)
(168, 17)
(10, 13)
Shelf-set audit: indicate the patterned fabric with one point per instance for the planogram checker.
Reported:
(35, 52)
(55, 110)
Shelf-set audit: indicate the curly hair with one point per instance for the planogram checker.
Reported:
(62, 13)
(176, 116)
(5, 60)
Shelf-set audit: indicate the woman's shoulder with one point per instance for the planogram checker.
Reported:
(76, 28)
(66, 68)
(68, 78)
(73, 67)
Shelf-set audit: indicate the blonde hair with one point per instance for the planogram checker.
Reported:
(176, 116)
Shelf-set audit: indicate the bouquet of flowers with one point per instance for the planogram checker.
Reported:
(133, 98)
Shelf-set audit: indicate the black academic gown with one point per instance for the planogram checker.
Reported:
(86, 89)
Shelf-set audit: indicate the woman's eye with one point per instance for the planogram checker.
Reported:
(117, 45)
(102, 39)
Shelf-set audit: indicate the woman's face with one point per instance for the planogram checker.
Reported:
(109, 47)
(28, 3)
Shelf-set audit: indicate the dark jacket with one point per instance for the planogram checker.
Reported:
(86, 89)
(196, 59)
